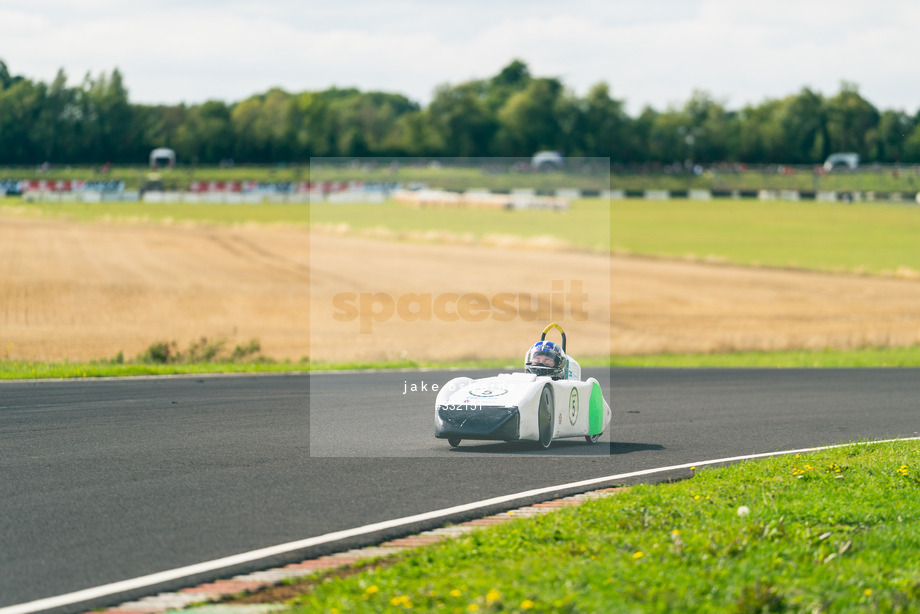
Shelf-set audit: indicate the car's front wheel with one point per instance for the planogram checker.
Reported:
(592, 439)
(545, 415)
(454, 441)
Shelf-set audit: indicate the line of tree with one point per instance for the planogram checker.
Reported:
(513, 113)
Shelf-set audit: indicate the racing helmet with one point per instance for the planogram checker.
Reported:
(546, 358)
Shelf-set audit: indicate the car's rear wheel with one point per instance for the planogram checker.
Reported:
(545, 415)
(592, 439)
(454, 441)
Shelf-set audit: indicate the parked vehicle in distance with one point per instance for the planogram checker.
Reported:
(547, 161)
(841, 161)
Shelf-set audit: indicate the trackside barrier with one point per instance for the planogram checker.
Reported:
(226, 198)
(699, 195)
(787, 195)
(517, 198)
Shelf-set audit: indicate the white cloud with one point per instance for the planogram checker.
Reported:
(653, 52)
(18, 22)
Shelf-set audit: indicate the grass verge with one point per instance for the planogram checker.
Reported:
(160, 358)
(837, 530)
(862, 358)
(908, 356)
(162, 213)
(788, 359)
(16, 369)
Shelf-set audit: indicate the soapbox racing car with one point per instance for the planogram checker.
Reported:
(523, 406)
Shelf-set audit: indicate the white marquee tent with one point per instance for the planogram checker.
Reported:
(162, 156)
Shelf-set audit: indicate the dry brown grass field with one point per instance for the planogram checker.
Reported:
(87, 290)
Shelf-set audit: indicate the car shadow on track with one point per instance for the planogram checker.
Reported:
(559, 448)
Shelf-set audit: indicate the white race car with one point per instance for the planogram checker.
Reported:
(549, 401)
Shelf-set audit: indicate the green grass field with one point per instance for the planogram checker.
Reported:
(863, 238)
(832, 531)
(586, 224)
(66, 370)
(870, 238)
(138, 212)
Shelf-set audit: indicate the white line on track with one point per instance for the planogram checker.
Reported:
(254, 555)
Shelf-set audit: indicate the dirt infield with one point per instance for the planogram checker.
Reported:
(83, 291)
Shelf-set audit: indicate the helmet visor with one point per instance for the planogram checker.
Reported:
(543, 361)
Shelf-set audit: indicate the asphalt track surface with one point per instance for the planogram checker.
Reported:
(102, 481)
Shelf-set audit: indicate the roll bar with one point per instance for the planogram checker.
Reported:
(551, 326)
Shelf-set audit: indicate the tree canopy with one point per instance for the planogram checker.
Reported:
(513, 113)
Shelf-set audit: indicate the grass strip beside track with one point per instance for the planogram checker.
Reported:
(789, 359)
(836, 530)
(18, 369)
(867, 357)
(140, 212)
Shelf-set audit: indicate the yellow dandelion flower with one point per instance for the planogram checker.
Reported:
(638, 555)
(527, 604)
(455, 593)
(472, 607)
(370, 590)
(867, 592)
(493, 595)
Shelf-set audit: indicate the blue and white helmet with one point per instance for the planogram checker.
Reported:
(546, 358)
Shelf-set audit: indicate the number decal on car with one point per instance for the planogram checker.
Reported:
(573, 406)
(489, 391)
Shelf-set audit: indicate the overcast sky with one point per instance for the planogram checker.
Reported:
(653, 52)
